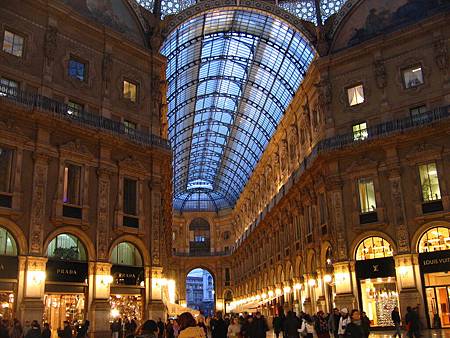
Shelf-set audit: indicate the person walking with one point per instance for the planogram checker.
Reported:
(307, 329)
(354, 328)
(16, 330)
(160, 328)
(189, 328)
(321, 325)
(277, 325)
(395, 316)
(83, 330)
(67, 331)
(249, 328)
(412, 323)
(291, 325)
(365, 324)
(34, 331)
(115, 328)
(234, 329)
(343, 322)
(46, 333)
(333, 322)
(148, 330)
(261, 326)
(218, 327)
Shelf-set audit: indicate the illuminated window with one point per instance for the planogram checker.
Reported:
(74, 108)
(77, 69)
(413, 77)
(373, 247)
(129, 91)
(66, 247)
(418, 110)
(130, 127)
(126, 254)
(8, 246)
(367, 196)
(129, 196)
(435, 239)
(355, 95)
(429, 182)
(72, 184)
(6, 161)
(13, 43)
(8, 87)
(360, 132)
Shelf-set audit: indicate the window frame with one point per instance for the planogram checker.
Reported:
(130, 82)
(354, 86)
(419, 165)
(75, 111)
(11, 170)
(360, 132)
(15, 33)
(80, 188)
(136, 181)
(365, 180)
(411, 67)
(10, 91)
(85, 68)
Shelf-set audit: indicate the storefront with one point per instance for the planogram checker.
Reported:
(434, 261)
(9, 265)
(128, 286)
(376, 280)
(66, 282)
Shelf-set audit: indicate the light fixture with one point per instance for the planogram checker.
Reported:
(312, 282)
(278, 291)
(327, 278)
(270, 293)
(264, 296)
(287, 289)
(115, 313)
(297, 286)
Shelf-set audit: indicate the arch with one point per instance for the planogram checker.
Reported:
(368, 245)
(310, 258)
(267, 8)
(17, 233)
(341, 15)
(228, 295)
(8, 244)
(422, 230)
(137, 242)
(297, 268)
(67, 247)
(324, 247)
(361, 237)
(135, 258)
(191, 267)
(434, 239)
(201, 290)
(80, 234)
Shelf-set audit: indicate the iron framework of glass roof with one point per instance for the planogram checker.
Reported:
(231, 75)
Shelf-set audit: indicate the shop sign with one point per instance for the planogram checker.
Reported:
(8, 267)
(375, 268)
(66, 271)
(127, 275)
(436, 261)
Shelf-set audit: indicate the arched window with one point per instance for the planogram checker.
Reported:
(126, 253)
(199, 230)
(66, 247)
(373, 247)
(435, 239)
(8, 246)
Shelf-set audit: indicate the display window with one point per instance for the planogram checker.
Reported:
(127, 306)
(7, 305)
(379, 298)
(434, 261)
(9, 265)
(62, 307)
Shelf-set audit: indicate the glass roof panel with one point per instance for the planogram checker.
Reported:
(236, 71)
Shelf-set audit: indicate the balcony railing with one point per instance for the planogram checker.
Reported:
(81, 117)
(202, 254)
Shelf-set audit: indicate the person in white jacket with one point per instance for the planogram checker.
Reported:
(343, 322)
(307, 329)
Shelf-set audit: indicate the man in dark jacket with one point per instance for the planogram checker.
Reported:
(354, 328)
(395, 315)
(333, 322)
(35, 331)
(291, 325)
(66, 332)
(412, 322)
(160, 328)
(219, 328)
(261, 326)
(277, 324)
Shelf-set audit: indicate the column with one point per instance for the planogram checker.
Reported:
(344, 286)
(156, 307)
(100, 309)
(32, 307)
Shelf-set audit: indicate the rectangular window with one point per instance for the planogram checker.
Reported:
(418, 110)
(130, 196)
(8, 87)
(129, 91)
(6, 161)
(355, 95)
(130, 127)
(72, 184)
(77, 69)
(200, 239)
(429, 182)
(13, 43)
(413, 76)
(367, 196)
(360, 132)
(74, 108)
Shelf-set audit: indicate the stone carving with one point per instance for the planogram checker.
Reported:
(339, 226)
(402, 230)
(307, 118)
(103, 215)
(78, 148)
(284, 155)
(107, 68)
(155, 36)
(38, 203)
(380, 74)
(293, 140)
(50, 45)
(156, 220)
(441, 54)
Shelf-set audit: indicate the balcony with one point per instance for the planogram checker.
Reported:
(35, 102)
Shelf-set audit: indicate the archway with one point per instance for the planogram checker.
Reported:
(200, 292)
(9, 272)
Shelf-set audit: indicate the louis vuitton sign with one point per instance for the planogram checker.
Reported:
(436, 261)
(375, 268)
(66, 271)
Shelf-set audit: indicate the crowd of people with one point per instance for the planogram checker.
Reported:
(338, 324)
(15, 329)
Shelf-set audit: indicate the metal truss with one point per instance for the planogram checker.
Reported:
(231, 75)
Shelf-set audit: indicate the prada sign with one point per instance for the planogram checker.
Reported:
(127, 275)
(436, 261)
(8, 267)
(66, 271)
(375, 268)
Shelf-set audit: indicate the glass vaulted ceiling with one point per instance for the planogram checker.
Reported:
(231, 75)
